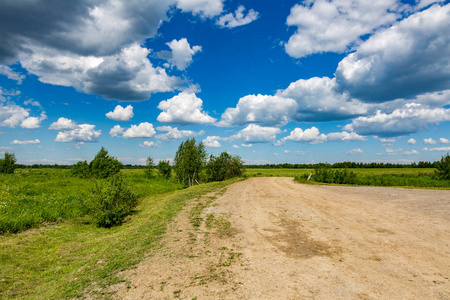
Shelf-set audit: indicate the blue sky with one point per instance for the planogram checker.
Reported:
(270, 81)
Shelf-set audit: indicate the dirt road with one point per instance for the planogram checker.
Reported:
(271, 238)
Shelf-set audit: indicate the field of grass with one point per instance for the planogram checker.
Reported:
(30, 197)
(65, 259)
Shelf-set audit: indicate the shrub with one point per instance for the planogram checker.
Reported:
(109, 205)
(149, 167)
(8, 164)
(103, 165)
(164, 169)
(224, 167)
(443, 167)
(80, 169)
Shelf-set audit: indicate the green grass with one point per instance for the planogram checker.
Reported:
(31, 197)
(68, 259)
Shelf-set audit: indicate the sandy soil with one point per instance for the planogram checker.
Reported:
(271, 238)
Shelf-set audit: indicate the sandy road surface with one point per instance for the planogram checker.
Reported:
(293, 241)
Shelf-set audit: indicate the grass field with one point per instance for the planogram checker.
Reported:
(64, 259)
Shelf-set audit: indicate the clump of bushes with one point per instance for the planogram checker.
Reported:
(164, 169)
(8, 164)
(334, 176)
(443, 167)
(223, 167)
(111, 203)
(102, 166)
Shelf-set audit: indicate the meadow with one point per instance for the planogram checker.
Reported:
(61, 256)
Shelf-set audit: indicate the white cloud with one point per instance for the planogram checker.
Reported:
(401, 121)
(12, 115)
(11, 74)
(429, 141)
(310, 135)
(202, 8)
(345, 136)
(147, 144)
(182, 53)
(63, 124)
(173, 133)
(247, 145)
(337, 25)
(412, 141)
(116, 131)
(185, 108)
(261, 109)
(235, 147)
(257, 134)
(82, 133)
(287, 151)
(120, 113)
(33, 122)
(405, 60)
(143, 130)
(26, 142)
(212, 142)
(238, 19)
(318, 100)
(127, 75)
(436, 149)
(355, 151)
(389, 151)
(444, 141)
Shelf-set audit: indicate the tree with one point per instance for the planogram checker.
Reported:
(443, 167)
(150, 165)
(80, 169)
(8, 164)
(189, 161)
(224, 166)
(164, 169)
(103, 165)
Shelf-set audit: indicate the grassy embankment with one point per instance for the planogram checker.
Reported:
(65, 257)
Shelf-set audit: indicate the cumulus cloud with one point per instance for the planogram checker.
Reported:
(355, 151)
(444, 141)
(173, 133)
(82, 133)
(247, 145)
(202, 8)
(12, 115)
(182, 53)
(337, 25)
(310, 135)
(127, 75)
(212, 142)
(436, 149)
(389, 151)
(63, 124)
(405, 60)
(317, 100)
(429, 141)
(238, 19)
(412, 141)
(235, 147)
(406, 120)
(313, 136)
(147, 144)
(260, 109)
(26, 142)
(184, 108)
(11, 74)
(143, 130)
(257, 134)
(120, 113)
(98, 28)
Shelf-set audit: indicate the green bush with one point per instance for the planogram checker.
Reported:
(150, 165)
(164, 169)
(8, 164)
(109, 205)
(103, 165)
(80, 169)
(443, 167)
(223, 167)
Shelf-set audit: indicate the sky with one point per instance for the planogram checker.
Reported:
(270, 81)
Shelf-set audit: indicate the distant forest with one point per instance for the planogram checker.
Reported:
(345, 164)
